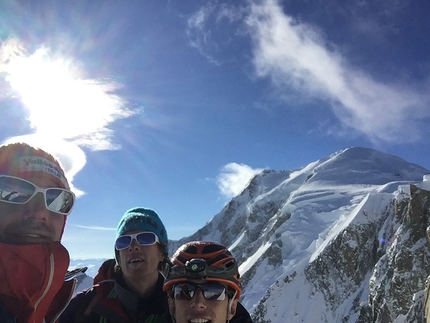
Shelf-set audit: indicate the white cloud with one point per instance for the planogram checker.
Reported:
(294, 55)
(234, 178)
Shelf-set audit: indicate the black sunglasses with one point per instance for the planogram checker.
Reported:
(212, 291)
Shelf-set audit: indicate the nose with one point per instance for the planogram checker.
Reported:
(36, 208)
(134, 245)
(198, 301)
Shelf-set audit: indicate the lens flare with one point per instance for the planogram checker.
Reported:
(61, 101)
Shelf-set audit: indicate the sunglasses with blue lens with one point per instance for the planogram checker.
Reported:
(142, 238)
(15, 190)
(212, 291)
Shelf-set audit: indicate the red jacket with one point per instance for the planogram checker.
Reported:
(32, 283)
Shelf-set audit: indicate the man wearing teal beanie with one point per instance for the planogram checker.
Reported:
(129, 288)
(139, 218)
(142, 219)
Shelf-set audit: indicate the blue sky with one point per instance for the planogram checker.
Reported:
(174, 105)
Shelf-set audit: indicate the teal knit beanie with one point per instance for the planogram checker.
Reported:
(142, 219)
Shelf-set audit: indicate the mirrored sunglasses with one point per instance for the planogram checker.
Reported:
(15, 190)
(142, 238)
(212, 291)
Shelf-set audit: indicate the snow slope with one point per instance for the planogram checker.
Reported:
(317, 244)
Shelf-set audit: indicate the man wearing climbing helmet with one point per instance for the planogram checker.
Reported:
(204, 285)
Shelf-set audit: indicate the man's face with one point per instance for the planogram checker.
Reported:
(139, 262)
(200, 310)
(32, 222)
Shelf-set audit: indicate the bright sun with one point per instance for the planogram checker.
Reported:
(59, 101)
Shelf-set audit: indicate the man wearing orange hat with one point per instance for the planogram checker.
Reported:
(35, 199)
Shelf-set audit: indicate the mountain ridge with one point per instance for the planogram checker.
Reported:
(326, 237)
(277, 228)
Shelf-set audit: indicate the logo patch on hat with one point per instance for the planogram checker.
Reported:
(39, 164)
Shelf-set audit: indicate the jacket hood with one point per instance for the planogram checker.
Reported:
(32, 275)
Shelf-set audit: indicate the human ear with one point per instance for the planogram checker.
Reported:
(232, 308)
(172, 307)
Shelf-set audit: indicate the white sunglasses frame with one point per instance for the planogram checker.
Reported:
(133, 237)
(42, 190)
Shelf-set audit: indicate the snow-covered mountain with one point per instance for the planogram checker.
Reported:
(92, 265)
(340, 240)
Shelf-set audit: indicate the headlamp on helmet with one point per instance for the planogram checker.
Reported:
(204, 261)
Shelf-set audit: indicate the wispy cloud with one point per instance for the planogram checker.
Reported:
(97, 228)
(234, 178)
(200, 36)
(206, 29)
(295, 55)
(300, 62)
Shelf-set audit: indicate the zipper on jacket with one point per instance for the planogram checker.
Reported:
(48, 286)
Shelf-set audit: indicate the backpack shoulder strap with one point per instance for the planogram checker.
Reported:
(91, 305)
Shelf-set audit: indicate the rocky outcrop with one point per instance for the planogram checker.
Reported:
(399, 276)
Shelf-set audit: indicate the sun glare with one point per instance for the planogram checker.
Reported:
(60, 101)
